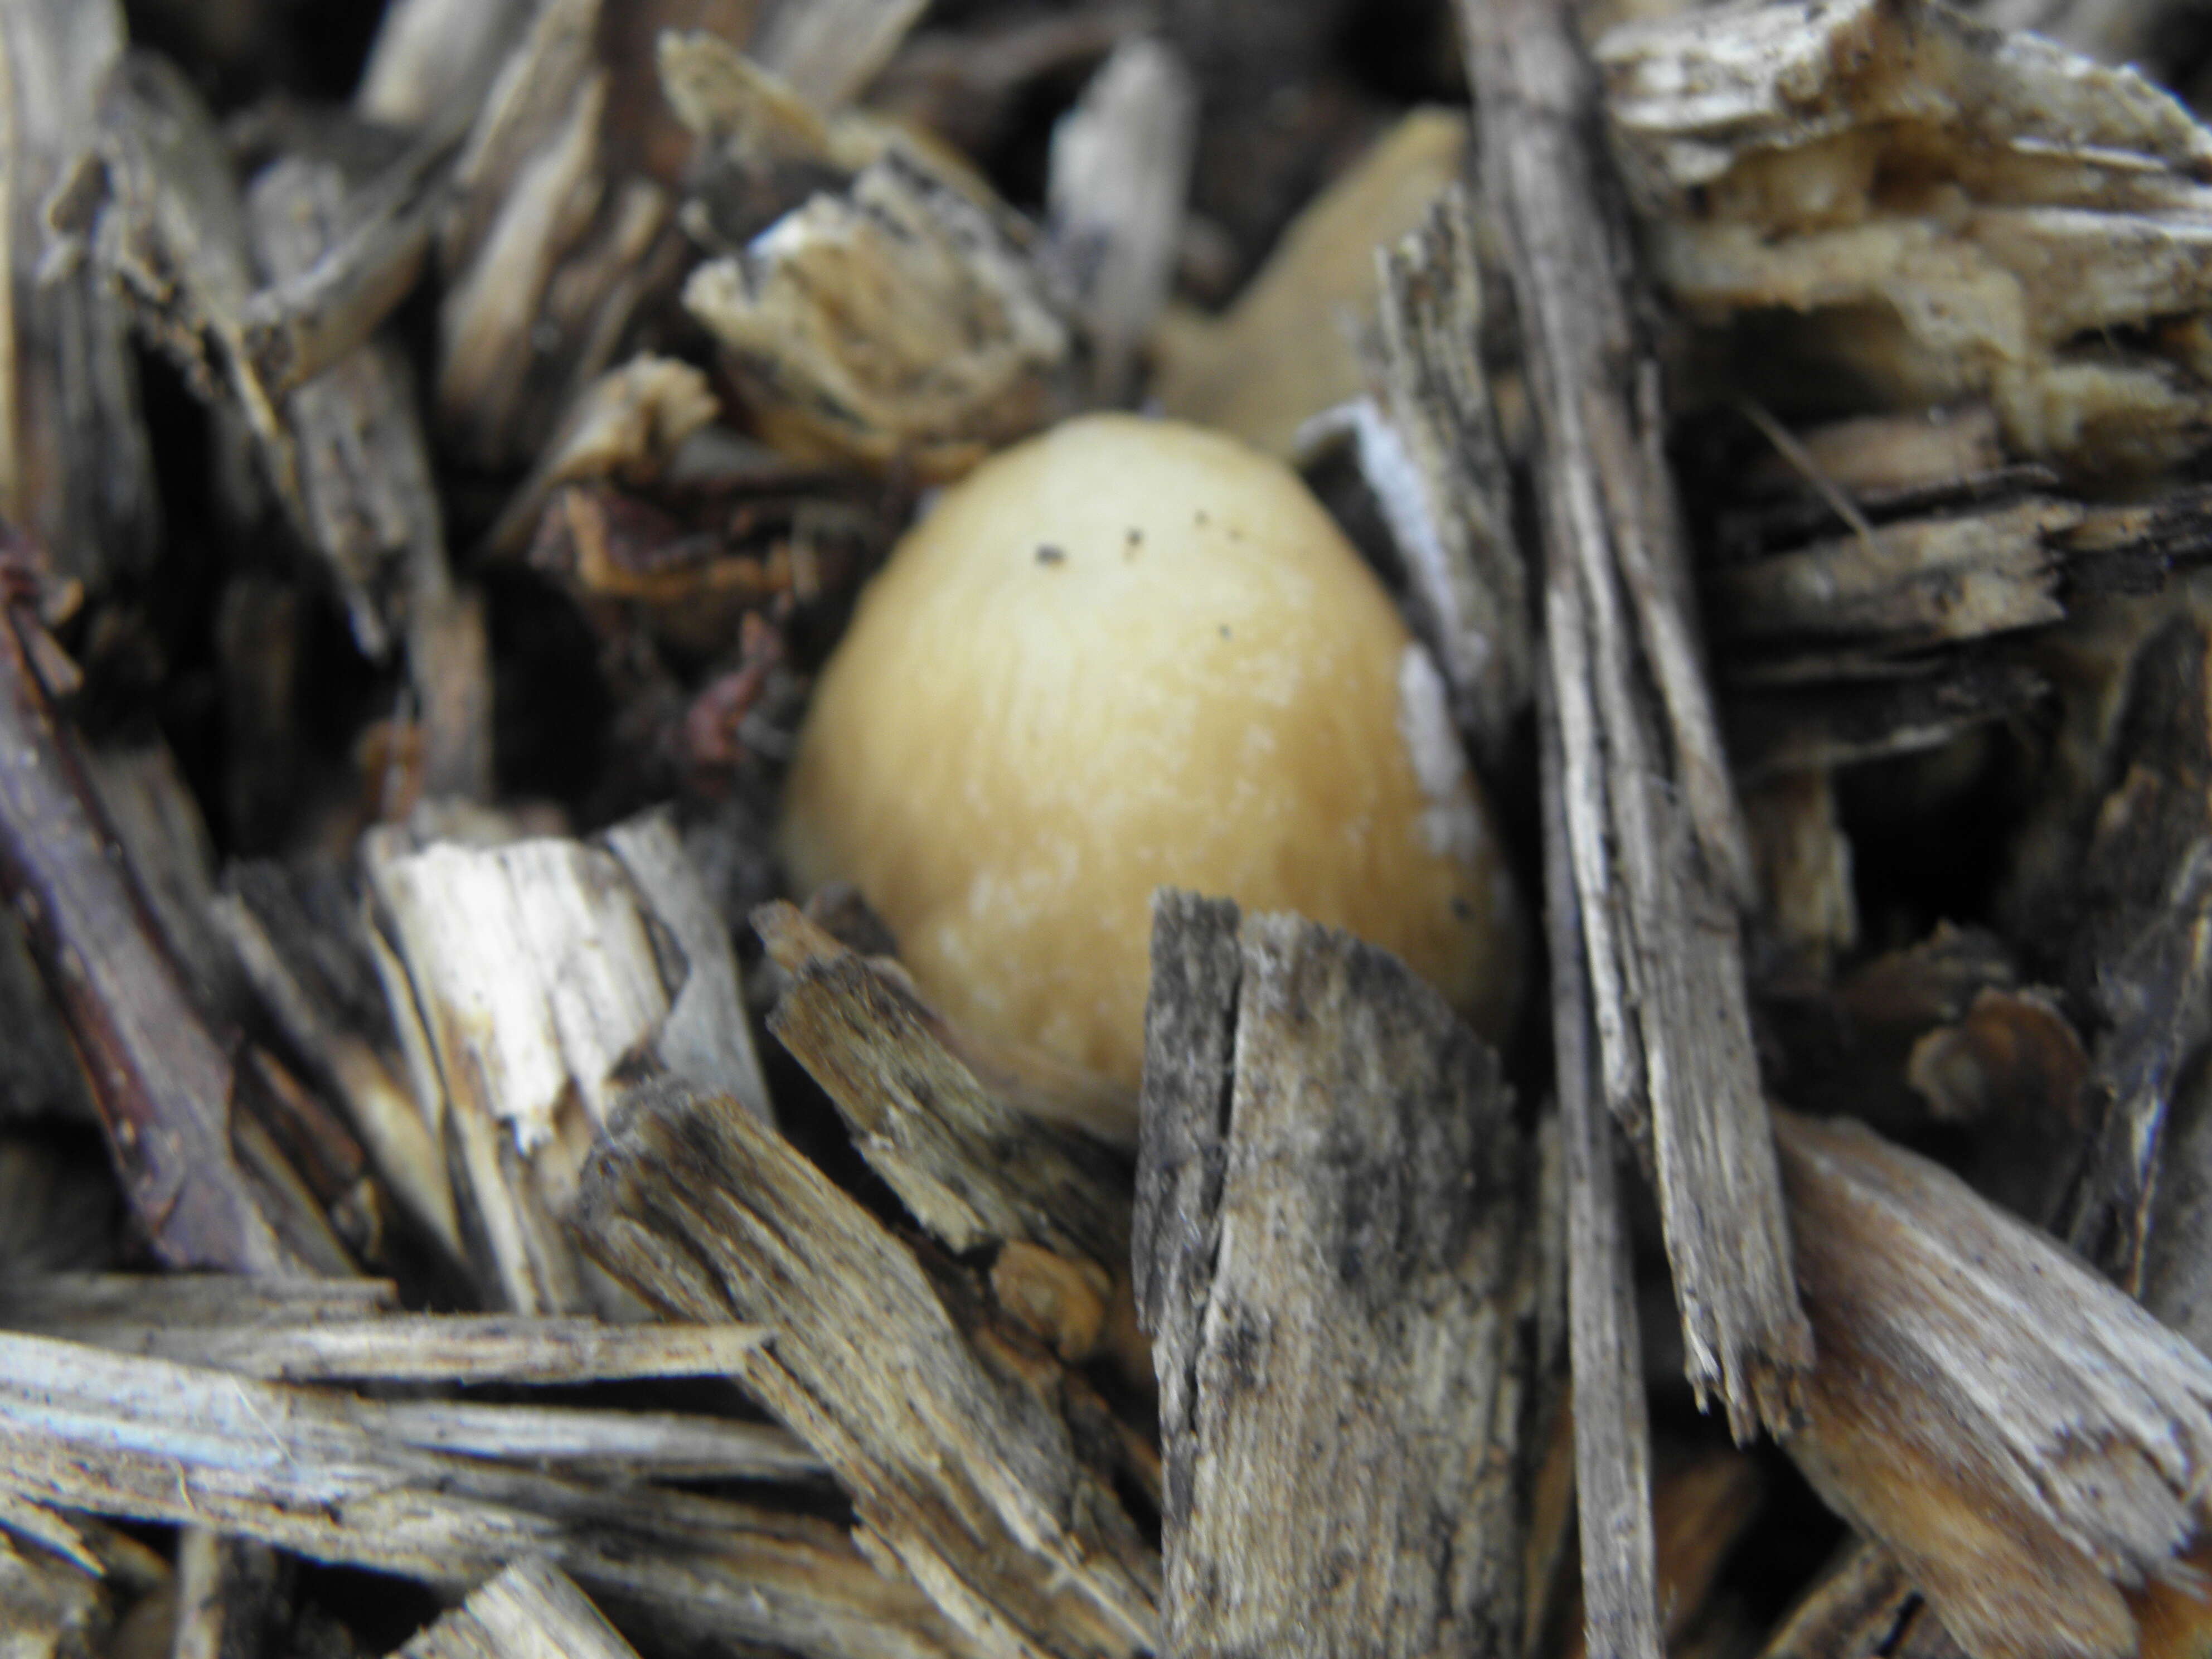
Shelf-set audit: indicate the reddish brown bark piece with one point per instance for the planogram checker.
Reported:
(161, 1084)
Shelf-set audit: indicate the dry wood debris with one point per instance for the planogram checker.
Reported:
(530, 1607)
(1334, 1216)
(1651, 824)
(955, 1447)
(1931, 207)
(439, 444)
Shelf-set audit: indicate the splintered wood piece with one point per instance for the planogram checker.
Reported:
(1449, 499)
(963, 1476)
(708, 1036)
(318, 985)
(1120, 170)
(1875, 710)
(145, 802)
(1838, 607)
(372, 506)
(75, 468)
(162, 1083)
(354, 270)
(829, 49)
(1611, 1421)
(898, 318)
(1751, 141)
(1910, 585)
(607, 1445)
(2029, 1442)
(972, 1164)
(530, 1609)
(1343, 1381)
(536, 970)
(544, 253)
(323, 1476)
(1658, 844)
(307, 1330)
(1806, 901)
(172, 233)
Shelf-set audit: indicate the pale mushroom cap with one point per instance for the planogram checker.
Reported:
(1124, 655)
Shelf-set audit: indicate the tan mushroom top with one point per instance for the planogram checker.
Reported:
(1127, 654)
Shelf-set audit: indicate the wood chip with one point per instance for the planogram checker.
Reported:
(977, 1163)
(305, 1330)
(162, 1082)
(529, 1609)
(1341, 1382)
(965, 1478)
(829, 49)
(1612, 1426)
(897, 318)
(536, 970)
(2029, 1441)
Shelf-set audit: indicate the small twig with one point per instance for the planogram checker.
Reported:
(160, 1080)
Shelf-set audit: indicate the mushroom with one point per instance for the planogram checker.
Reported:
(1123, 655)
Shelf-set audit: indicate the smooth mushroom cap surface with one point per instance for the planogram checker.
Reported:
(1123, 655)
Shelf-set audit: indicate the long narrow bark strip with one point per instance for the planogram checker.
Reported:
(161, 1084)
(1657, 841)
(1613, 1430)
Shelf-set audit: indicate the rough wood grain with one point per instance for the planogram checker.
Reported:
(1751, 141)
(898, 317)
(545, 255)
(170, 233)
(541, 972)
(2027, 1440)
(314, 1330)
(1451, 510)
(2139, 942)
(370, 505)
(960, 1473)
(1343, 1372)
(829, 49)
(313, 975)
(971, 1163)
(1611, 1421)
(532, 1609)
(320, 1475)
(1660, 856)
